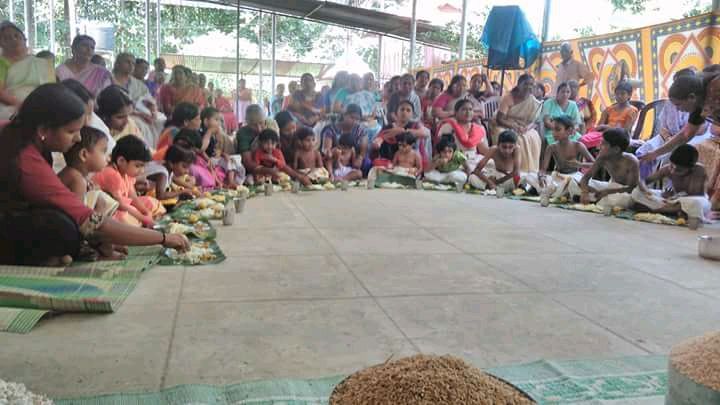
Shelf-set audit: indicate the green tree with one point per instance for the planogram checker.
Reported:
(634, 6)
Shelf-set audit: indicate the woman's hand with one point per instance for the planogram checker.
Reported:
(148, 222)
(177, 241)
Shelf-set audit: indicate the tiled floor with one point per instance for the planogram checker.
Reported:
(319, 284)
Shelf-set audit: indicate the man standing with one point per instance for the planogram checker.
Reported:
(570, 69)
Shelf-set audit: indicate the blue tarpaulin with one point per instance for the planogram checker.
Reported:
(508, 36)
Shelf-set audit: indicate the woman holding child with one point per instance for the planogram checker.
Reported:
(468, 136)
(41, 220)
(20, 72)
(519, 111)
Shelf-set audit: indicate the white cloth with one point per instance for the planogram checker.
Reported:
(458, 176)
(621, 200)
(476, 182)
(692, 206)
(558, 184)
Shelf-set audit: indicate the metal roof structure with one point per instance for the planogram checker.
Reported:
(339, 14)
(248, 66)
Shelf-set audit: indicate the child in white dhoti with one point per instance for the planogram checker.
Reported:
(687, 194)
(307, 160)
(624, 171)
(500, 168)
(450, 166)
(570, 156)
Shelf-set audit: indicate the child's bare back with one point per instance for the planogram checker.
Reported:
(623, 169)
(691, 183)
(74, 180)
(569, 155)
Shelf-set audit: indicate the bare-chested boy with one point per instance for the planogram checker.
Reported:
(624, 171)
(570, 156)
(406, 161)
(687, 192)
(342, 166)
(308, 161)
(500, 167)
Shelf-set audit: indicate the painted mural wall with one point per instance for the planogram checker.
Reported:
(651, 56)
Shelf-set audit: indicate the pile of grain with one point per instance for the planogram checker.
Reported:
(17, 394)
(425, 380)
(699, 359)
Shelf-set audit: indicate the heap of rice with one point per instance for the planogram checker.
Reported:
(425, 380)
(694, 371)
(17, 394)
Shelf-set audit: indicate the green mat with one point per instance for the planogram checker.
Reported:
(548, 382)
(28, 293)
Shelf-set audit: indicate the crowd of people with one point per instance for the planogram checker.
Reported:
(91, 156)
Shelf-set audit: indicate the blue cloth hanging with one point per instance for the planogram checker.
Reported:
(508, 36)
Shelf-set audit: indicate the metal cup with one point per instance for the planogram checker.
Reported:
(240, 205)
(418, 184)
(268, 189)
(499, 192)
(228, 215)
(459, 187)
(295, 187)
(344, 185)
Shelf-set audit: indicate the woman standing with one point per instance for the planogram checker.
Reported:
(42, 221)
(179, 90)
(94, 77)
(20, 72)
(519, 111)
(469, 136)
(557, 106)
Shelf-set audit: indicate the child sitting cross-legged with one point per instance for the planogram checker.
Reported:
(687, 192)
(344, 163)
(118, 179)
(500, 168)
(307, 160)
(624, 171)
(569, 156)
(232, 172)
(406, 162)
(269, 159)
(178, 160)
(449, 166)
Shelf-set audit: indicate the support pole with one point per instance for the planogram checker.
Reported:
(716, 5)
(30, 23)
(273, 66)
(380, 58)
(260, 60)
(546, 22)
(158, 33)
(237, 62)
(413, 31)
(51, 46)
(463, 30)
(147, 30)
(11, 10)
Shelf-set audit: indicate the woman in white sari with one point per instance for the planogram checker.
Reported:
(519, 112)
(20, 72)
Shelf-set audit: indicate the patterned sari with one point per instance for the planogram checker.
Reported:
(21, 78)
(95, 78)
(524, 114)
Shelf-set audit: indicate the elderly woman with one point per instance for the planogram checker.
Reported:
(94, 77)
(123, 70)
(247, 136)
(519, 111)
(20, 72)
(43, 222)
(179, 90)
(557, 106)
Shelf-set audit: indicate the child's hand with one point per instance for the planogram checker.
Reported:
(585, 198)
(305, 180)
(148, 222)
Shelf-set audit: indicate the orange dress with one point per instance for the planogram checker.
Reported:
(119, 186)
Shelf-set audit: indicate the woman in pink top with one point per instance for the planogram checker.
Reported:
(441, 108)
(94, 77)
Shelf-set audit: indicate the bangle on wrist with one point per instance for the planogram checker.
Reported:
(163, 239)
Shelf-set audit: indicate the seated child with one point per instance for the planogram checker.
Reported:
(449, 166)
(500, 167)
(342, 166)
(178, 160)
(569, 156)
(621, 115)
(269, 159)
(687, 193)
(213, 136)
(85, 158)
(406, 162)
(624, 171)
(205, 174)
(118, 179)
(307, 160)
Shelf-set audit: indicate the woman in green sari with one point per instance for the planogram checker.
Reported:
(557, 106)
(20, 72)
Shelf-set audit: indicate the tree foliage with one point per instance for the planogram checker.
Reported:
(634, 6)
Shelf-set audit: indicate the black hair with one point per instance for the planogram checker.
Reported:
(541, 86)
(565, 120)
(112, 100)
(97, 59)
(141, 60)
(78, 88)
(437, 81)
(131, 148)
(684, 156)
(455, 80)
(560, 86)
(189, 138)
(283, 118)
(446, 142)
(714, 68)
(688, 71)
(684, 86)
(522, 79)
(507, 136)
(408, 102)
(347, 140)
(79, 38)
(89, 137)
(178, 154)
(624, 86)
(45, 54)
(303, 132)
(268, 135)
(182, 112)
(460, 103)
(617, 138)
(353, 109)
(208, 112)
(407, 76)
(406, 137)
(421, 72)
(50, 106)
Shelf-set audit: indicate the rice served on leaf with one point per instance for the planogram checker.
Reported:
(425, 380)
(17, 394)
